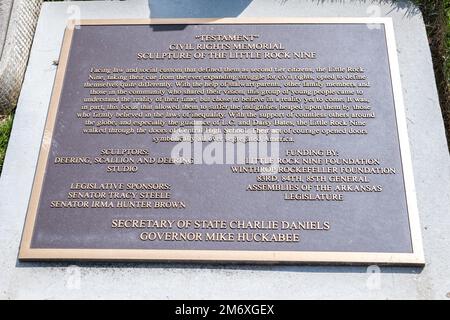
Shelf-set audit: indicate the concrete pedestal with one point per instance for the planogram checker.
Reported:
(5, 12)
(170, 281)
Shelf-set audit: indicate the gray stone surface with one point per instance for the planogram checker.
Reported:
(5, 12)
(18, 21)
(148, 280)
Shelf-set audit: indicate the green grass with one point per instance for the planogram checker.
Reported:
(447, 37)
(5, 130)
(447, 11)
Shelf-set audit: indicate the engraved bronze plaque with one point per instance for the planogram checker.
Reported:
(248, 140)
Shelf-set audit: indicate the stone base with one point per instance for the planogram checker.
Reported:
(188, 281)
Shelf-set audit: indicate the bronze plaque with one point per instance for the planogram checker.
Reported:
(256, 140)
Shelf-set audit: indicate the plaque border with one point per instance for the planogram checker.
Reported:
(415, 258)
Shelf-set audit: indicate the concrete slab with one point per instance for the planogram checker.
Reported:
(188, 281)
